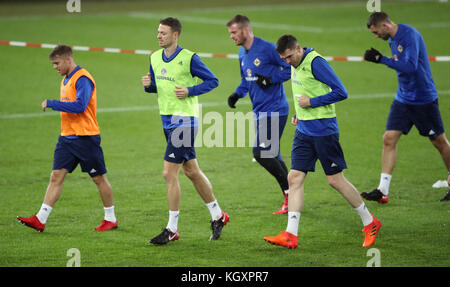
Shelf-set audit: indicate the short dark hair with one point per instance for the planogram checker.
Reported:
(239, 19)
(285, 42)
(173, 23)
(378, 17)
(61, 50)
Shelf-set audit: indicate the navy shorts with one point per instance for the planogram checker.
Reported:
(85, 150)
(180, 144)
(426, 118)
(268, 135)
(307, 149)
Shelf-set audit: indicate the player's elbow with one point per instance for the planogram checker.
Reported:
(214, 83)
(408, 67)
(79, 108)
(343, 94)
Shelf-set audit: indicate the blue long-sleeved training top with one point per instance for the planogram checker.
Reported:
(323, 72)
(410, 60)
(263, 59)
(198, 69)
(84, 87)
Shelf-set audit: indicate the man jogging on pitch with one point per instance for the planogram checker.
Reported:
(262, 77)
(416, 102)
(79, 142)
(172, 77)
(316, 88)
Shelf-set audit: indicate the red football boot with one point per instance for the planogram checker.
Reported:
(284, 206)
(32, 222)
(106, 225)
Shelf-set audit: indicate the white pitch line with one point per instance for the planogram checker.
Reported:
(107, 110)
(206, 104)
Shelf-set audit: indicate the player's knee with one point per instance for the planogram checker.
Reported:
(99, 179)
(191, 173)
(165, 174)
(57, 176)
(390, 139)
(333, 181)
(169, 175)
(336, 181)
(291, 178)
(294, 177)
(440, 142)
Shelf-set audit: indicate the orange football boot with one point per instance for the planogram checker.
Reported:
(370, 232)
(285, 239)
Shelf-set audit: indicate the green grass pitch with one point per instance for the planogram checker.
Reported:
(416, 226)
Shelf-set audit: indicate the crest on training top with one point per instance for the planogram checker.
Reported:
(400, 48)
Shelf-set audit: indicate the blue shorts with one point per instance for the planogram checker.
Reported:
(180, 144)
(307, 149)
(85, 150)
(426, 118)
(268, 135)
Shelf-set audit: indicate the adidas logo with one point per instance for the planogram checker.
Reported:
(172, 155)
(263, 145)
(93, 170)
(431, 133)
(373, 231)
(334, 165)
